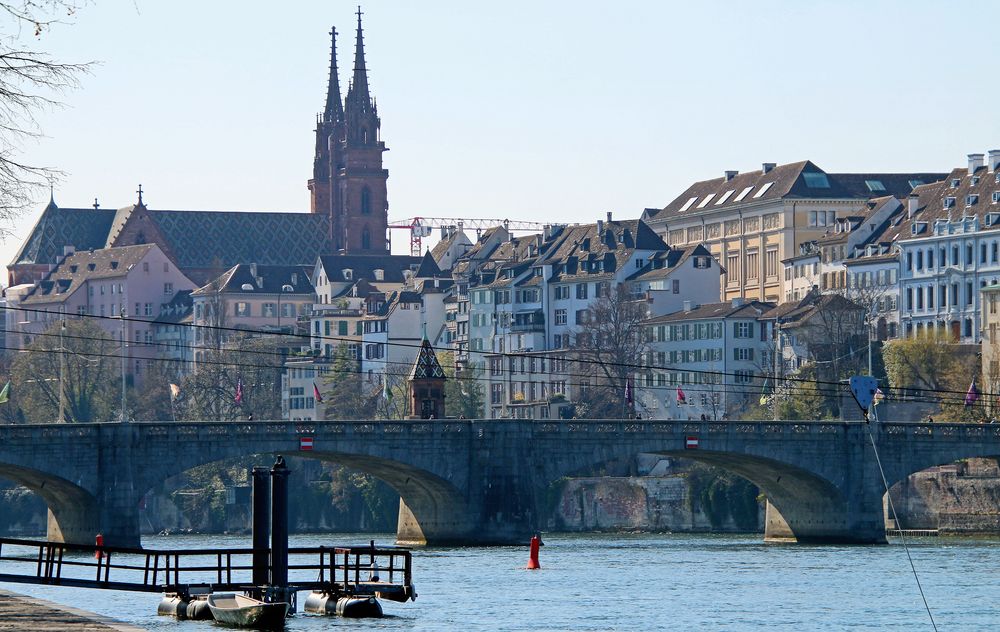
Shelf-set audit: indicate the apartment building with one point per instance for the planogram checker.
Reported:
(704, 360)
(750, 222)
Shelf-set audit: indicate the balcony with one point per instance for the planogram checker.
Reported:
(528, 322)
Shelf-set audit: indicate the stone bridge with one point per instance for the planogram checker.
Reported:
(486, 482)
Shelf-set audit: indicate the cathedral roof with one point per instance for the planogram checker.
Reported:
(84, 229)
(426, 366)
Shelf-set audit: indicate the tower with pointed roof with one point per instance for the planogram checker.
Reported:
(426, 383)
(349, 182)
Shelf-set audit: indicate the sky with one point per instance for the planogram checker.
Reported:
(545, 111)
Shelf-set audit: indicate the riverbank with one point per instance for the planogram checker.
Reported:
(20, 612)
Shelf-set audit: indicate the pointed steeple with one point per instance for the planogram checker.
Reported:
(359, 85)
(334, 106)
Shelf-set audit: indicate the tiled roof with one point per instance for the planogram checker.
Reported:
(178, 310)
(263, 279)
(749, 309)
(364, 266)
(82, 228)
(798, 180)
(426, 365)
(428, 267)
(208, 238)
(662, 264)
(934, 200)
(80, 267)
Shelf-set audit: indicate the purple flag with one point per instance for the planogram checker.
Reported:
(973, 394)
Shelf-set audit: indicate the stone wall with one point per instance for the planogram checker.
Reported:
(963, 498)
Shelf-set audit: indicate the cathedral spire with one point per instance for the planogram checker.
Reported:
(360, 83)
(334, 107)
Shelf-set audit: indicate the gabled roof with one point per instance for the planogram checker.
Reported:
(364, 266)
(934, 200)
(662, 264)
(428, 267)
(714, 311)
(797, 180)
(82, 228)
(426, 365)
(80, 267)
(260, 279)
(798, 313)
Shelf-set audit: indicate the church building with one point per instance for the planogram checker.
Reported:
(349, 211)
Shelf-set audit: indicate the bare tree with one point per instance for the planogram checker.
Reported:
(250, 366)
(30, 79)
(609, 345)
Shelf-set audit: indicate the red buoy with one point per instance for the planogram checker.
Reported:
(100, 542)
(533, 553)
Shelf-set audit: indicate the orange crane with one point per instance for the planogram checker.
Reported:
(421, 227)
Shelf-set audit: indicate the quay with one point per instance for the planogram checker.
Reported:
(20, 612)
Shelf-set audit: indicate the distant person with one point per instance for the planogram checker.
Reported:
(930, 419)
(250, 417)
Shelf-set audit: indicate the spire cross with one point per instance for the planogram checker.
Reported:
(359, 13)
(140, 195)
(96, 205)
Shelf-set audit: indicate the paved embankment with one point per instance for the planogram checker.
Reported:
(18, 612)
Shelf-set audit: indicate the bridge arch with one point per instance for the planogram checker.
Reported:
(429, 502)
(74, 513)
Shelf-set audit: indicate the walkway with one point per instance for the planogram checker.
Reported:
(18, 612)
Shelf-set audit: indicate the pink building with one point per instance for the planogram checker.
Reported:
(102, 285)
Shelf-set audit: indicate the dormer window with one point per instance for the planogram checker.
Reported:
(971, 199)
(114, 265)
(379, 275)
(992, 218)
(348, 274)
(955, 182)
(949, 202)
(996, 197)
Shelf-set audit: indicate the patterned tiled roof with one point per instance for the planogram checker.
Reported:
(426, 366)
(81, 228)
(205, 238)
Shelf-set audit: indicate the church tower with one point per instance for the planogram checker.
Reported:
(348, 181)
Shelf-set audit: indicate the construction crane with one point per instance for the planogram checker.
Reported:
(421, 227)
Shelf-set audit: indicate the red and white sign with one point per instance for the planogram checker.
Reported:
(691, 443)
(305, 443)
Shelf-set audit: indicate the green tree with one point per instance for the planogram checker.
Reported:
(346, 393)
(925, 361)
(90, 386)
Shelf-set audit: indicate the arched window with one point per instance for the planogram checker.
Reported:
(366, 201)
(364, 135)
(366, 239)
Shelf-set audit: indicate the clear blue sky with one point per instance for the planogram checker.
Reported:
(554, 111)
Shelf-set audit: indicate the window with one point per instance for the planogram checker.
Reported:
(743, 330)
(168, 289)
(582, 316)
(812, 218)
(562, 292)
(743, 376)
(147, 309)
(342, 328)
(753, 265)
(581, 290)
(874, 185)
(268, 310)
(366, 239)
(743, 353)
(688, 204)
(771, 263)
(996, 197)
(733, 268)
(675, 286)
(560, 319)
(708, 198)
(702, 263)
(760, 192)
(949, 202)
(971, 199)
(816, 180)
(742, 194)
(242, 308)
(366, 201)
(955, 182)
(725, 196)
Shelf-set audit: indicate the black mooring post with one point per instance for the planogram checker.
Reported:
(279, 523)
(261, 525)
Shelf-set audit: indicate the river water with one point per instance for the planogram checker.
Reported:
(643, 582)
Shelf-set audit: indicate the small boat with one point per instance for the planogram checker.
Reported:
(246, 612)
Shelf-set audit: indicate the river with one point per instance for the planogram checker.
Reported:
(644, 582)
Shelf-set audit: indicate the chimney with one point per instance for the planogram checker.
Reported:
(731, 174)
(600, 227)
(609, 217)
(768, 167)
(547, 232)
(688, 306)
(68, 250)
(994, 159)
(975, 162)
(253, 269)
(912, 203)
(739, 301)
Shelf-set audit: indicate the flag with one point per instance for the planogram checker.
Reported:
(973, 394)
(629, 397)
(5, 393)
(681, 399)
(316, 395)
(239, 391)
(879, 397)
(175, 392)
(764, 393)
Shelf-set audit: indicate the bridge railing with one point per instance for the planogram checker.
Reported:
(343, 569)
